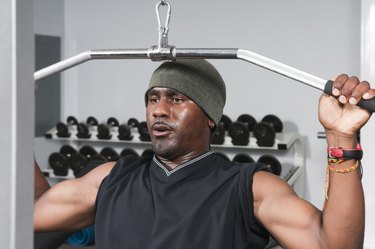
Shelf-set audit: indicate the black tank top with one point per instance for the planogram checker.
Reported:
(206, 203)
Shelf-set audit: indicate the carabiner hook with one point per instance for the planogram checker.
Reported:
(163, 30)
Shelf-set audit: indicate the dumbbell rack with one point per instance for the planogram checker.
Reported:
(288, 144)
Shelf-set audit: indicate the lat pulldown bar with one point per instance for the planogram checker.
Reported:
(165, 52)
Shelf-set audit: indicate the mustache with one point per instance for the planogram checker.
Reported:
(162, 122)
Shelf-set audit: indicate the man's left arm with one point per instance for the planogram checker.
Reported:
(294, 222)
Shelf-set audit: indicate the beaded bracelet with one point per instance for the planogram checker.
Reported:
(332, 159)
(344, 170)
(341, 171)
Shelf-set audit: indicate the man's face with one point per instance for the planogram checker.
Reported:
(176, 124)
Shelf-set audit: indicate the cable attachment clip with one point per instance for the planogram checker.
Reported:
(163, 30)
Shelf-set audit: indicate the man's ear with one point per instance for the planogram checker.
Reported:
(211, 124)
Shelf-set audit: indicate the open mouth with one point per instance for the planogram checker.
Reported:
(161, 129)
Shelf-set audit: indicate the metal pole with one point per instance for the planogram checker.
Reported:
(16, 124)
(171, 53)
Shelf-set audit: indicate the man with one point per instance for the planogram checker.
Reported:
(187, 197)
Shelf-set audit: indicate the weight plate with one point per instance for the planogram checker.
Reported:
(113, 122)
(71, 120)
(132, 122)
(273, 119)
(124, 132)
(104, 132)
(62, 130)
(144, 135)
(239, 133)
(272, 164)
(67, 150)
(242, 158)
(128, 151)
(247, 119)
(57, 162)
(219, 134)
(88, 151)
(226, 121)
(265, 134)
(83, 131)
(92, 121)
(110, 154)
(76, 162)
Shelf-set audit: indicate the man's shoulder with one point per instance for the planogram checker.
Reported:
(130, 163)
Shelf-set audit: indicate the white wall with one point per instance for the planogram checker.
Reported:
(49, 17)
(320, 37)
(368, 73)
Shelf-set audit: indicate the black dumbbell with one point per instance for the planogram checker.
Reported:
(63, 130)
(58, 164)
(128, 151)
(83, 129)
(222, 155)
(68, 150)
(124, 130)
(91, 154)
(226, 121)
(242, 158)
(248, 120)
(144, 134)
(218, 136)
(109, 154)
(149, 153)
(265, 131)
(272, 163)
(58, 161)
(104, 130)
(74, 159)
(239, 132)
(88, 152)
(76, 162)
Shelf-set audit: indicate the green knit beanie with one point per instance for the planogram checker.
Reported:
(197, 79)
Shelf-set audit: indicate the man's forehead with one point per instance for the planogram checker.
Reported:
(167, 90)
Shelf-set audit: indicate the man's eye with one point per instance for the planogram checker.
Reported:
(177, 100)
(152, 99)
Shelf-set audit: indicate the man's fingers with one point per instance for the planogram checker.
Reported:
(358, 92)
(339, 83)
(350, 89)
(369, 94)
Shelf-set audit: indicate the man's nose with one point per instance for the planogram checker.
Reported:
(161, 109)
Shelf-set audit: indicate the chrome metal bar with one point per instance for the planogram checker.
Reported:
(119, 54)
(62, 65)
(282, 69)
(151, 53)
(207, 53)
(172, 53)
(90, 55)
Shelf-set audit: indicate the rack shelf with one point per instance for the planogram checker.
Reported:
(289, 142)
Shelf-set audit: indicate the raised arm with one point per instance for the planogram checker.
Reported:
(68, 205)
(296, 223)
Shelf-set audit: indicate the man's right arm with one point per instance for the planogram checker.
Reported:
(69, 205)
